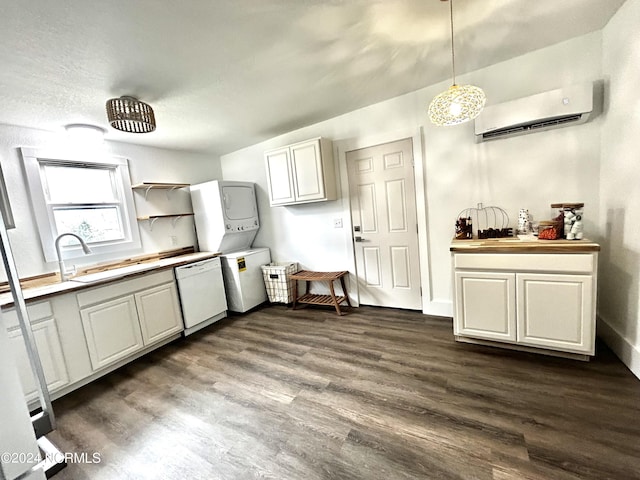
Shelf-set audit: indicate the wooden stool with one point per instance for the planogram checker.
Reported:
(315, 299)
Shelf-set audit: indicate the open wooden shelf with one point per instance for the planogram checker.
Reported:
(148, 186)
(159, 186)
(154, 218)
(317, 299)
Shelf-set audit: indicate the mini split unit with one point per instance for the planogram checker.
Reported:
(571, 105)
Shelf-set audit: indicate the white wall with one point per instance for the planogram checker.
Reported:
(619, 282)
(145, 164)
(531, 171)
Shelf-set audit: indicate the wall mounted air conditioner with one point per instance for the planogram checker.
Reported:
(554, 109)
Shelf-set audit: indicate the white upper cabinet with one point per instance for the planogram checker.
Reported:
(279, 176)
(301, 173)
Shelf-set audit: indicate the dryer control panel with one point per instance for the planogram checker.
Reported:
(242, 226)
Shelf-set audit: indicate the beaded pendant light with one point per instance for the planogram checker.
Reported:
(130, 115)
(459, 103)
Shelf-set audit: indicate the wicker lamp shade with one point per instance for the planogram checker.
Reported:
(129, 114)
(459, 103)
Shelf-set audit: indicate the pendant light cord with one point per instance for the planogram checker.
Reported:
(453, 55)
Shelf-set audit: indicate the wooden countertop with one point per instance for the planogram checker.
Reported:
(103, 277)
(523, 244)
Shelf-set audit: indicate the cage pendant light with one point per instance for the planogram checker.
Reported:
(459, 103)
(130, 115)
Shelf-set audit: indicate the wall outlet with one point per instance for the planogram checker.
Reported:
(337, 223)
(174, 240)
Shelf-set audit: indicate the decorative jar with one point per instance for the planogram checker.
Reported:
(549, 230)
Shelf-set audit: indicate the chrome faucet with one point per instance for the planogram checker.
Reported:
(85, 249)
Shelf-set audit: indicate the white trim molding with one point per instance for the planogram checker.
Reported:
(430, 306)
(624, 349)
(32, 159)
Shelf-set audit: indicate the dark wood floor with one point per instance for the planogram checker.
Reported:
(376, 394)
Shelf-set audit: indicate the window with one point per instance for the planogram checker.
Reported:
(91, 198)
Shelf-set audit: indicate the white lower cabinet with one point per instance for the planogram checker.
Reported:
(554, 310)
(85, 334)
(122, 318)
(112, 331)
(159, 312)
(485, 305)
(47, 339)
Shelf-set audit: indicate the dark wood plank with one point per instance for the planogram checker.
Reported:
(377, 394)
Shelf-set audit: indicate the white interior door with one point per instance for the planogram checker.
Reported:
(385, 228)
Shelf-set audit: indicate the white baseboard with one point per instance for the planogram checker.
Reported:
(438, 308)
(626, 351)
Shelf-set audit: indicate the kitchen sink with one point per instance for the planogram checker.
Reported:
(114, 273)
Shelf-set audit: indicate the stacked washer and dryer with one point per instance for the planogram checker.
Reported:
(226, 219)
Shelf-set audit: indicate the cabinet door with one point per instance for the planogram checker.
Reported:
(556, 311)
(279, 176)
(159, 312)
(112, 331)
(308, 179)
(50, 353)
(485, 305)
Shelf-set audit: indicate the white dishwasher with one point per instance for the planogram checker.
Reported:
(202, 295)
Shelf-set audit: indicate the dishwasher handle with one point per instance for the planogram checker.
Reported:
(198, 267)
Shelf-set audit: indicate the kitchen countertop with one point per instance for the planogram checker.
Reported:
(95, 279)
(523, 244)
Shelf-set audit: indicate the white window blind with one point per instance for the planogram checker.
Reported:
(91, 198)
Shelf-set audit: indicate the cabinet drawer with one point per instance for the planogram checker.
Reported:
(574, 263)
(123, 287)
(36, 311)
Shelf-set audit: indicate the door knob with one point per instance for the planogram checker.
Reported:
(359, 239)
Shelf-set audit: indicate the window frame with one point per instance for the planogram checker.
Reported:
(34, 161)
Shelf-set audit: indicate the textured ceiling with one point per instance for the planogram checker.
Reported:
(224, 74)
